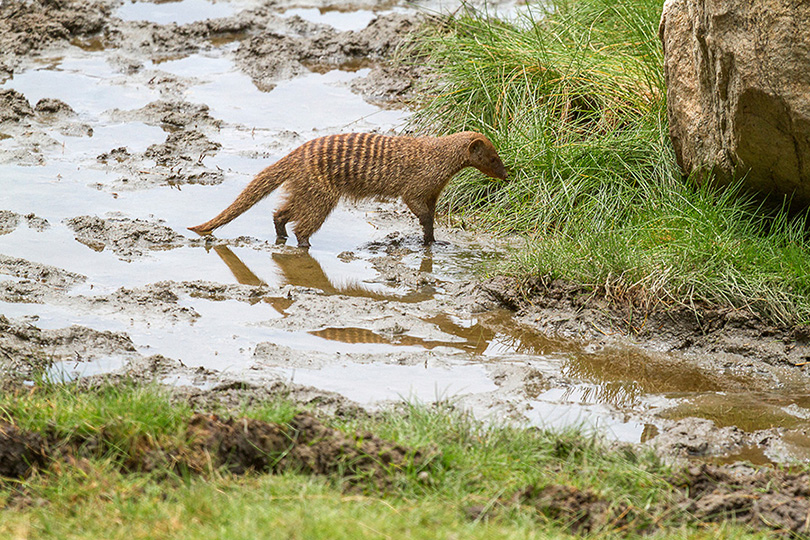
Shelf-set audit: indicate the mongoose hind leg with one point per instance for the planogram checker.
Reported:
(280, 219)
(309, 220)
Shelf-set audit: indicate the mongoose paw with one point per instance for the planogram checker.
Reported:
(439, 243)
(200, 231)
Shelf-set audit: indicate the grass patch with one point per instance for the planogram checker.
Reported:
(111, 420)
(574, 99)
(482, 481)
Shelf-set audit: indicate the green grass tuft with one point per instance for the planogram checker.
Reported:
(114, 417)
(574, 99)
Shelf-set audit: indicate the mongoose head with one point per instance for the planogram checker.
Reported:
(484, 157)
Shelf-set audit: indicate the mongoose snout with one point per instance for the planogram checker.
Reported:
(317, 174)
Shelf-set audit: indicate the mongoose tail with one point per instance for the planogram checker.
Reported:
(260, 187)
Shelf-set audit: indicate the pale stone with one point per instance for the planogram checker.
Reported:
(738, 90)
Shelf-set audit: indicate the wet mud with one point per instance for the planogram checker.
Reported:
(121, 124)
(734, 334)
(763, 499)
(127, 238)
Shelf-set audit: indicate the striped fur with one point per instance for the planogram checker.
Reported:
(355, 166)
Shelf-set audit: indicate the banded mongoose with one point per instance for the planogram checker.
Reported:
(359, 165)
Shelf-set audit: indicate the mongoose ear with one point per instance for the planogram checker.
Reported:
(476, 145)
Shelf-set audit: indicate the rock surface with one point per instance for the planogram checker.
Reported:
(738, 90)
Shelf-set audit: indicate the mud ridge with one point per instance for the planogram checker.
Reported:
(765, 499)
(562, 308)
(27, 350)
(127, 238)
(29, 27)
(273, 56)
(42, 274)
(239, 445)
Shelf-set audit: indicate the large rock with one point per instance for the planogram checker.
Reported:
(738, 90)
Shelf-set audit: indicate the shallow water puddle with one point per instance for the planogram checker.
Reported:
(314, 101)
(178, 12)
(580, 406)
(340, 20)
(750, 411)
(86, 82)
(381, 382)
(71, 370)
(367, 312)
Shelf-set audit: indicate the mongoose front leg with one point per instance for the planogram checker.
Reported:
(424, 210)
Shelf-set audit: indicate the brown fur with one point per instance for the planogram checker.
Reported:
(317, 174)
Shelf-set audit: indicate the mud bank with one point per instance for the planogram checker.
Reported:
(724, 334)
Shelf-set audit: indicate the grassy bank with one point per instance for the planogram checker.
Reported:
(119, 463)
(574, 99)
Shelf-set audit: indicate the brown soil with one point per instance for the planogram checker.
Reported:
(304, 445)
(766, 499)
(20, 451)
(561, 308)
(583, 510)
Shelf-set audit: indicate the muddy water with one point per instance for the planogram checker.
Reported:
(95, 255)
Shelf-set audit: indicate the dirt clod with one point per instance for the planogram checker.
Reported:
(53, 106)
(13, 106)
(176, 114)
(305, 445)
(20, 451)
(127, 238)
(8, 221)
(182, 148)
(767, 499)
(582, 510)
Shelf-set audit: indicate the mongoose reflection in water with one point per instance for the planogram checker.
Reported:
(354, 166)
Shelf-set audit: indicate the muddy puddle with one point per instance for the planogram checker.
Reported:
(118, 133)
